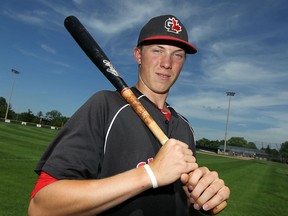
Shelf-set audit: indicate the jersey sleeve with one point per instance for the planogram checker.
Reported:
(77, 150)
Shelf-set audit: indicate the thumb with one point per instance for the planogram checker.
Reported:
(184, 178)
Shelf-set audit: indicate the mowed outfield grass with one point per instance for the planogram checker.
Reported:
(258, 188)
(20, 149)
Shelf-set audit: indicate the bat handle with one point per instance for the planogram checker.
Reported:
(218, 208)
(130, 97)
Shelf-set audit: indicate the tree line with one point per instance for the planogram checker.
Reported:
(53, 118)
(280, 155)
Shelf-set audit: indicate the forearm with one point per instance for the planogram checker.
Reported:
(88, 197)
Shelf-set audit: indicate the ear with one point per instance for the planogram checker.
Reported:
(137, 55)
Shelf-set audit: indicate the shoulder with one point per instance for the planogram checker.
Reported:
(99, 104)
(106, 97)
(182, 118)
(174, 112)
(104, 94)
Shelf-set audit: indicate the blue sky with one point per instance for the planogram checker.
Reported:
(243, 47)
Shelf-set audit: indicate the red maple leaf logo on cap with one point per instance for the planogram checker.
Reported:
(172, 25)
(176, 26)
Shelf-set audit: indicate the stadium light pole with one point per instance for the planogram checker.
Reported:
(15, 72)
(230, 94)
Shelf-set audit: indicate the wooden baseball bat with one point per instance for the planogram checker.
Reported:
(99, 58)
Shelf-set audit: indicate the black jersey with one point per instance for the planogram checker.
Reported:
(106, 137)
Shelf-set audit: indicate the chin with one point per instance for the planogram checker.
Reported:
(162, 91)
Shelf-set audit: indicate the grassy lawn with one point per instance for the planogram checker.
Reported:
(258, 188)
(20, 149)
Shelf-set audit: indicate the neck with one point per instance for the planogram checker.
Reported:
(158, 99)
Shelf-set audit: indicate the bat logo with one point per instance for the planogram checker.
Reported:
(110, 68)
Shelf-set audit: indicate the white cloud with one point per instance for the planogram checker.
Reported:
(28, 17)
(239, 73)
(48, 49)
(79, 2)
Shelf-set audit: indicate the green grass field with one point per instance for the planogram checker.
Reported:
(258, 188)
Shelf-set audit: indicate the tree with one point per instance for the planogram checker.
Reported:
(26, 116)
(3, 107)
(60, 121)
(237, 141)
(39, 117)
(56, 118)
(52, 115)
(284, 151)
(216, 143)
(203, 142)
(273, 154)
(251, 145)
(3, 102)
(241, 142)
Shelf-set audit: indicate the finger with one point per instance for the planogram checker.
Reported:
(180, 143)
(188, 157)
(210, 191)
(191, 166)
(218, 198)
(204, 183)
(196, 175)
(184, 178)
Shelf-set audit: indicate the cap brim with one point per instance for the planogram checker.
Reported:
(189, 48)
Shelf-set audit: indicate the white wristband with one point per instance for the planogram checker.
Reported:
(151, 175)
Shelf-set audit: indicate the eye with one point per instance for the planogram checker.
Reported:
(179, 55)
(156, 50)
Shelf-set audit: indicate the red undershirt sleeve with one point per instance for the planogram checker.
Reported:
(44, 179)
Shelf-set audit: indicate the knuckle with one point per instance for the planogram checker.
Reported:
(212, 189)
(227, 189)
(214, 174)
(221, 197)
(201, 184)
(221, 182)
(205, 169)
(201, 201)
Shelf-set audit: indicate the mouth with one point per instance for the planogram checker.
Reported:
(163, 76)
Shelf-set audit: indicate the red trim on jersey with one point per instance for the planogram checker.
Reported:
(166, 114)
(44, 179)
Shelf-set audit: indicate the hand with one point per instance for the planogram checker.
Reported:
(173, 159)
(204, 188)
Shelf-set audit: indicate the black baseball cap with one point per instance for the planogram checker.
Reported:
(166, 28)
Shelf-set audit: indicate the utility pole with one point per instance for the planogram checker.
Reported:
(15, 72)
(230, 94)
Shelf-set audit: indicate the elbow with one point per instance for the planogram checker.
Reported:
(33, 210)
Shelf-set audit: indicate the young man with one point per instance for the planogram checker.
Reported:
(105, 161)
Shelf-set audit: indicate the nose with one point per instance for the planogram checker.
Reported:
(166, 62)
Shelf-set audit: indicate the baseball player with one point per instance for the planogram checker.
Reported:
(105, 161)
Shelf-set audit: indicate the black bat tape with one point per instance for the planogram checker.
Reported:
(94, 51)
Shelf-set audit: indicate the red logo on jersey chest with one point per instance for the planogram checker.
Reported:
(140, 164)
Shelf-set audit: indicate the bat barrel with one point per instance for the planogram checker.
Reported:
(94, 51)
